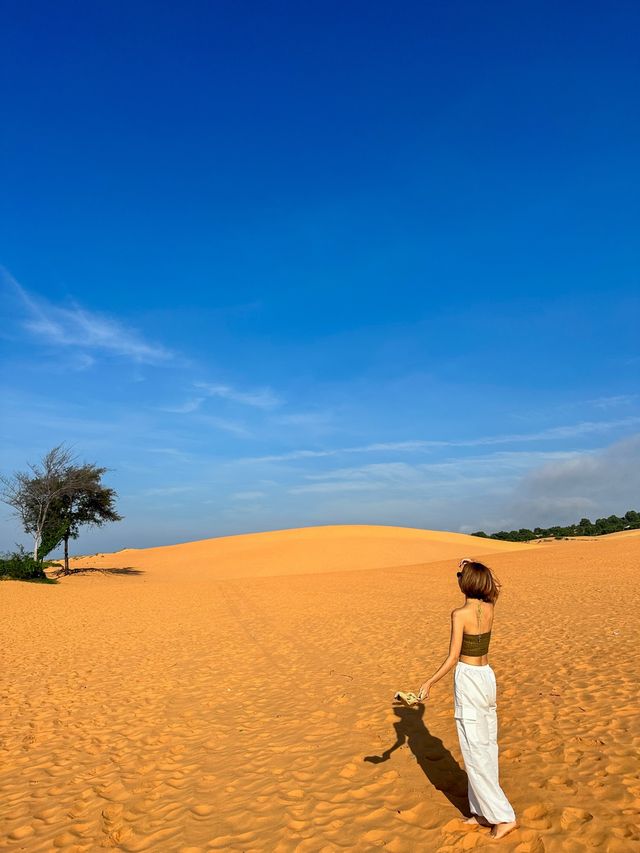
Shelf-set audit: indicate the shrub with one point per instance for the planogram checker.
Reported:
(601, 526)
(21, 566)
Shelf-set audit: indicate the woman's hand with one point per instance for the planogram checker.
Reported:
(462, 562)
(423, 693)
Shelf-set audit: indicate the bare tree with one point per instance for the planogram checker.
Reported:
(31, 494)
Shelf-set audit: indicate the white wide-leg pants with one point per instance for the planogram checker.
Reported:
(475, 712)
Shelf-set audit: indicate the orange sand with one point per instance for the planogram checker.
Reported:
(237, 695)
(301, 550)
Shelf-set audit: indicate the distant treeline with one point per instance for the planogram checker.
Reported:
(613, 524)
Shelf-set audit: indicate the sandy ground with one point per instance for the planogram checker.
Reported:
(218, 700)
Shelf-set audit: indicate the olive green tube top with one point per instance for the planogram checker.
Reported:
(475, 645)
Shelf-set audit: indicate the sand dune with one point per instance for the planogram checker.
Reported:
(623, 533)
(302, 550)
(179, 710)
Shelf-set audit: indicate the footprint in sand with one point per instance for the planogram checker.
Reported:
(295, 794)
(375, 837)
(152, 841)
(511, 753)
(471, 840)
(531, 843)
(536, 816)
(202, 811)
(459, 836)
(349, 771)
(572, 818)
(21, 832)
(221, 842)
(64, 839)
(620, 845)
(630, 833)
(371, 817)
(571, 845)
(48, 816)
(116, 792)
(113, 824)
(561, 782)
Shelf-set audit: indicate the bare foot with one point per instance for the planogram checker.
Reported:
(502, 829)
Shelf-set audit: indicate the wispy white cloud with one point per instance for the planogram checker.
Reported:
(612, 402)
(604, 403)
(293, 454)
(307, 420)
(358, 485)
(175, 452)
(433, 478)
(398, 445)
(263, 398)
(83, 329)
(184, 408)
(367, 448)
(381, 475)
(83, 361)
(225, 425)
(570, 431)
(90, 333)
(560, 432)
(166, 490)
(247, 496)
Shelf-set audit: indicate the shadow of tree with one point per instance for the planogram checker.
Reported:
(434, 759)
(103, 570)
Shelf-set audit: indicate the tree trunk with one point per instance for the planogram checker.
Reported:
(66, 553)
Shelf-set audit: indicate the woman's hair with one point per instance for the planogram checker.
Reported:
(478, 581)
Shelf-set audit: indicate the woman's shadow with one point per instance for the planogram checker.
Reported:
(437, 763)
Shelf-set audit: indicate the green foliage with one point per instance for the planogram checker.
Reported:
(30, 493)
(21, 566)
(56, 498)
(88, 502)
(52, 535)
(93, 504)
(612, 524)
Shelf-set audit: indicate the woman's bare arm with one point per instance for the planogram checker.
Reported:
(455, 644)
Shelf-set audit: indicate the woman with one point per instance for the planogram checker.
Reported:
(474, 688)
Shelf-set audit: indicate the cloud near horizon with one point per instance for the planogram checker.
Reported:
(595, 483)
(504, 490)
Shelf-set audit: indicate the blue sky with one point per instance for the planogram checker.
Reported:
(279, 264)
